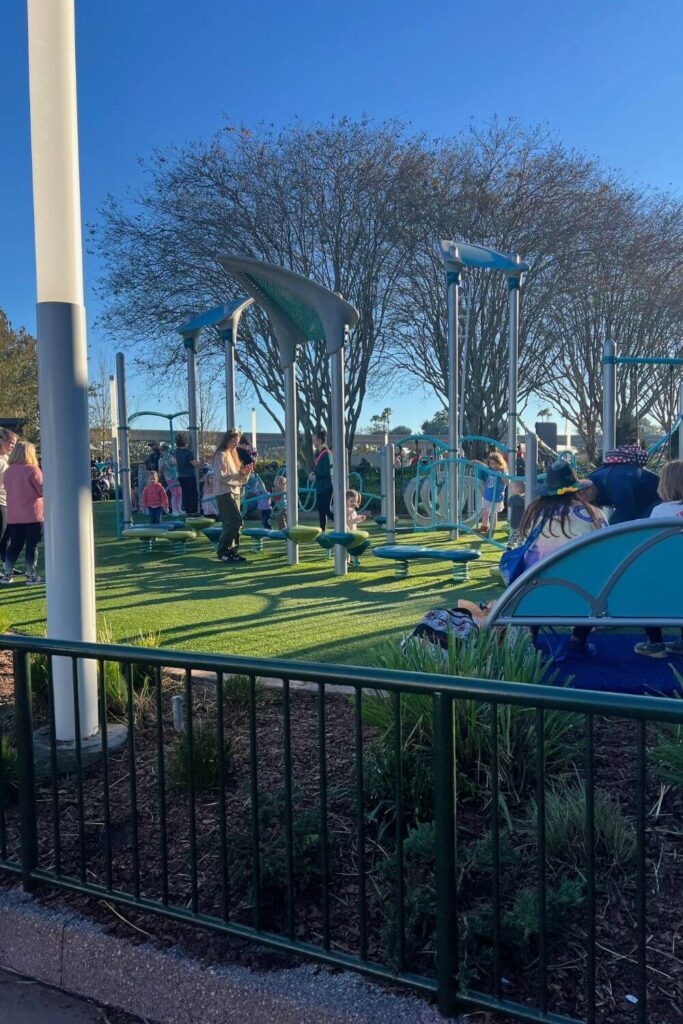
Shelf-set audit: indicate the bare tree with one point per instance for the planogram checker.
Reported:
(337, 202)
(100, 408)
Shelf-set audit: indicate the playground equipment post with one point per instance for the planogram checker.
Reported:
(62, 355)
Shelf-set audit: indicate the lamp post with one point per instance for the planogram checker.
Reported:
(62, 356)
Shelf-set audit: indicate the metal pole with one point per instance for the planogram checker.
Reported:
(254, 437)
(609, 397)
(291, 439)
(389, 490)
(191, 343)
(466, 341)
(62, 355)
(530, 468)
(453, 286)
(338, 456)
(513, 361)
(124, 454)
(113, 417)
(680, 422)
(228, 338)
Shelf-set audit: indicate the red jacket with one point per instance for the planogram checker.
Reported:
(154, 496)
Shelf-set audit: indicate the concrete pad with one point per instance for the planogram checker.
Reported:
(31, 937)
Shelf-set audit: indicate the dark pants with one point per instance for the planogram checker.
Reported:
(266, 513)
(231, 519)
(155, 516)
(188, 485)
(655, 635)
(324, 513)
(4, 533)
(20, 534)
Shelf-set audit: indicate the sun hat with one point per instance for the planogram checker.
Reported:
(561, 478)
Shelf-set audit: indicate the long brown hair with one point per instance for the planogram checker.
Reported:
(551, 507)
(226, 438)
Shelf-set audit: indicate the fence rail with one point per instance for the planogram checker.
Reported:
(286, 846)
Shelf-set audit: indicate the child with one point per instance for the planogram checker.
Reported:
(264, 500)
(494, 489)
(209, 507)
(515, 511)
(23, 483)
(280, 497)
(352, 517)
(670, 490)
(154, 498)
(168, 467)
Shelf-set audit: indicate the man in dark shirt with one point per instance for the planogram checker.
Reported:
(152, 460)
(322, 469)
(623, 482)
(187, 478)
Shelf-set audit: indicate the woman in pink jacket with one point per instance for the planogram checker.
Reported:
(23, 483)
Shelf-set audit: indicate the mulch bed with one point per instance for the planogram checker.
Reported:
(615, 774)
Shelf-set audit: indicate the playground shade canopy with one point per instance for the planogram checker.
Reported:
(621, 576)
(215, 316)
(469, 255)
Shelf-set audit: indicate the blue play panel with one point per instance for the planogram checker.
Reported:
(614, 668)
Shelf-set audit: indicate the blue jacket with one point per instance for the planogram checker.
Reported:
(631, 490)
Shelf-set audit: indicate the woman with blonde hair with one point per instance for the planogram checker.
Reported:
(23, 482)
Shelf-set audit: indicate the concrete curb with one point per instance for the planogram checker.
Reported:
(70, 952)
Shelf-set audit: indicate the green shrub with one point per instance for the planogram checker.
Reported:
(520, 923)
(565, 828)
(237, 690)
(420, 896)
(205, 759)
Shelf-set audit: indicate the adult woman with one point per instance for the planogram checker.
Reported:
(229, 475)
(623, 483)
(185, 458)
(23, 482)
(322, 471)
(7, 441)
(562, 513)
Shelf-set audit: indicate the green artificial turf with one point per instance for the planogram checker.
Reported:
(262, 607)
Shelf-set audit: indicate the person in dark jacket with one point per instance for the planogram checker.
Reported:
(187, 478)
(623, 483)
(322, 470)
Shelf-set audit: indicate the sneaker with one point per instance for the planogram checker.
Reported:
(6, 579)
(650, 650)
(674, 647)
(236, 558)
(31, 580)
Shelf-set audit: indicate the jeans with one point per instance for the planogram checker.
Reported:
(155, 516)
(266, 513)
(29, 534)
(231, 519)
(324, 512)
(188, 486)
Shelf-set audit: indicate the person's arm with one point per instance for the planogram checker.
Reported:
(164, 499)
(145, 498)
(37, 480)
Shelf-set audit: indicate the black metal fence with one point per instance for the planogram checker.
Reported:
(363, 818)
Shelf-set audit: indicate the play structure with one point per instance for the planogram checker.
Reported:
(403, 554)
(610, 361)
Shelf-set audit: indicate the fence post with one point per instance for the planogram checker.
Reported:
(27, 789)
(445, 857)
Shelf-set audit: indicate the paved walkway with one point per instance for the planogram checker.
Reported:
(27, 1002)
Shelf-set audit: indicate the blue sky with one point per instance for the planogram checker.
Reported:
(606, 75)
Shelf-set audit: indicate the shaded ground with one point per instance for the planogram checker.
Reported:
(23, 1001)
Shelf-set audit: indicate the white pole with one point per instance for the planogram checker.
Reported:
(124, 452)
(680, 422)
(191, 344)
(609, 397)
(291, 458)
(388, 457)
(513, 361)
(113, 418)
(62, 355)
(228, 336)
(453, 286)
(338, 456)
(253, 428)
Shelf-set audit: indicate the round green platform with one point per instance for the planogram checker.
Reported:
(402, 554)
(198, 522)
(258, 534)
(149, 534)
(302, 534)
(355, 542)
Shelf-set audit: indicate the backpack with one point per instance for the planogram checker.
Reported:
(441, 623)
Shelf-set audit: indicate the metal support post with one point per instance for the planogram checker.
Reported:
(453, 286)
(190, 342)
(124, 453)
(513, 364)
(228, 339)
(26, 766)
(680, 422)
(389, 490)
(609, 396)
(338, 456)
(291, 438)
(530, 468)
